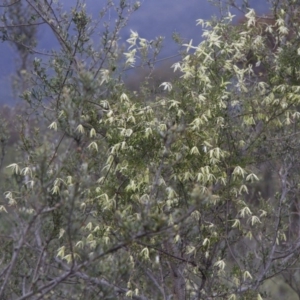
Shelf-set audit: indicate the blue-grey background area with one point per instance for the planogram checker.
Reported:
(153, 18)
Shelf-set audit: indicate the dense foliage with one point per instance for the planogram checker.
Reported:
(190, 193)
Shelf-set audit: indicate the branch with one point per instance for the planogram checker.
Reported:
(283, 176)
(15, 255)
(103, 282)
(49, 286)
(11, 4)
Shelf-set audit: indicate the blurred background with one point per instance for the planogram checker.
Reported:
(153, 18)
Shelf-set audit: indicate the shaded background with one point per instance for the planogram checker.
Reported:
(153, 18)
